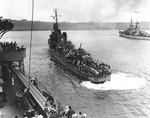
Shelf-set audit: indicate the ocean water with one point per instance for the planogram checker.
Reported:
(127, 95)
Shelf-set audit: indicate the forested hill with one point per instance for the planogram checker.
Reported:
(24, 25)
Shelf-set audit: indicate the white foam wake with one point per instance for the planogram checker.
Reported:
(119, 81)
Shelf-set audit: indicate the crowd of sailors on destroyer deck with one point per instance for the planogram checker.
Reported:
(82, 60)
(8, 47)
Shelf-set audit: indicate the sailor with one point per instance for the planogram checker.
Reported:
(18, 102)
(75, 115)
(65, 113)
(12, 81)
(22, 48)
(70, 112)
(24, 116)
(80, 115)
(46, 106)
(33, 80)
(84, 115)
(26, 90)
(40, 116)
(50, 98)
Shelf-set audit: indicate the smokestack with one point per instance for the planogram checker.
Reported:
(64, 38)
(131, 21)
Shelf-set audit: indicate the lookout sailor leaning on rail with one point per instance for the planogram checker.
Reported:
(70, 112)
(34, 81)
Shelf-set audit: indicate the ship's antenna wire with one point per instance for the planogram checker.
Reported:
(31, 41)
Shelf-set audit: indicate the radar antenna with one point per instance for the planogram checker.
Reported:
(56, 16)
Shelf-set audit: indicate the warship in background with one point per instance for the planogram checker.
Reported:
(134, 32)
(76, 60)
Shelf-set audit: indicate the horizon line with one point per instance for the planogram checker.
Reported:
(27, 20)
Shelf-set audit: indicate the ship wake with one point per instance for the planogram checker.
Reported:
(118, 81)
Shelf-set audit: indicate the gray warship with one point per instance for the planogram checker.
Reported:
(75, 60)
(134, 32)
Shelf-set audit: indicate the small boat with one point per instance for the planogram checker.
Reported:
(76, 60)
(134, 32)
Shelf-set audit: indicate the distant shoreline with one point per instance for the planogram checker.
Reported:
(24, 25)
(69, 30)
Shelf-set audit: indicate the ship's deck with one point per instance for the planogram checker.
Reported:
(10, 110)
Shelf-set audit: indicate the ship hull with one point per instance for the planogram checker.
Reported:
(133, 37)
(58, 58)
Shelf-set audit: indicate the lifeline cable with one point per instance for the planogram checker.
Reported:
(31, 40)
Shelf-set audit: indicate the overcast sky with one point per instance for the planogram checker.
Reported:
(78, 10)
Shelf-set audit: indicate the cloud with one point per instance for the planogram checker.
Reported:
(78, 10)
(16, 9)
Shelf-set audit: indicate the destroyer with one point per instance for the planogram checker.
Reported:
(76, 60)
(134, 32)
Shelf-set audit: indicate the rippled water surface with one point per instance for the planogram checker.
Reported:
(127, 95)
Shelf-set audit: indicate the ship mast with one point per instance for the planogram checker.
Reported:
(55, 26)
(55, 10)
